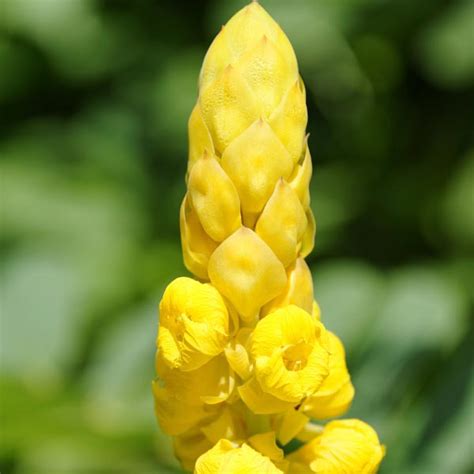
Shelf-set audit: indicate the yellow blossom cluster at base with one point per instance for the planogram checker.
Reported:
(243, 361)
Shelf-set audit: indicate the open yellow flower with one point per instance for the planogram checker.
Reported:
(184, 399)
(344, 447)
(226, 458)
(194, 324)
(335, 395)
(290, 354)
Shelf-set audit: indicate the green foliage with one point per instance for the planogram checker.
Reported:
(94, 100)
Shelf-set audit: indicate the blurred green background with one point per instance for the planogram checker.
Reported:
(94, 101)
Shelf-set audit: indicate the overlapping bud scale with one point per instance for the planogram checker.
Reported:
(243, 360)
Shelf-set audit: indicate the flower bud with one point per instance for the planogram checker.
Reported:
(214, 198)
(197, 246)
(255, 161)
(227, 457)
(282, 223)
(245, 270)
(344, 446)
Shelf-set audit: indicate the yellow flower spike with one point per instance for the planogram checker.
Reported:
(255, 161)
(189, 446)
(194, 324)
(307, 243)
(289, 120)
(334, 396)
(228, 106)
(197, 246)
(214, 198)
(226, 458)
(245, 270)
(298, 291)
(344, 447)
(282, 223)
(301, 178)
(267, 73)
(290, 354)
(200, 139)
(245, 356)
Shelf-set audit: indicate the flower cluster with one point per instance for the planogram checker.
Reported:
(243, 361)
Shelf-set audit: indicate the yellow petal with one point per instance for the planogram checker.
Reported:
(291, 361)
(200, 139)
(265, 443)
(283, 223)
(335, 395)
(258, 401)
(268, 74)
(245, 270)
(349, 446)
(228, 107)
(290, 424)
(255, 161)
(173, 416)
(307, 244)
(214, 198)
(298, 290)
(301, 178)
(197, 246)
(289, 120)
(194, 324)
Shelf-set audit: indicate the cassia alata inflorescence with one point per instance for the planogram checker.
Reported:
(243, 362)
